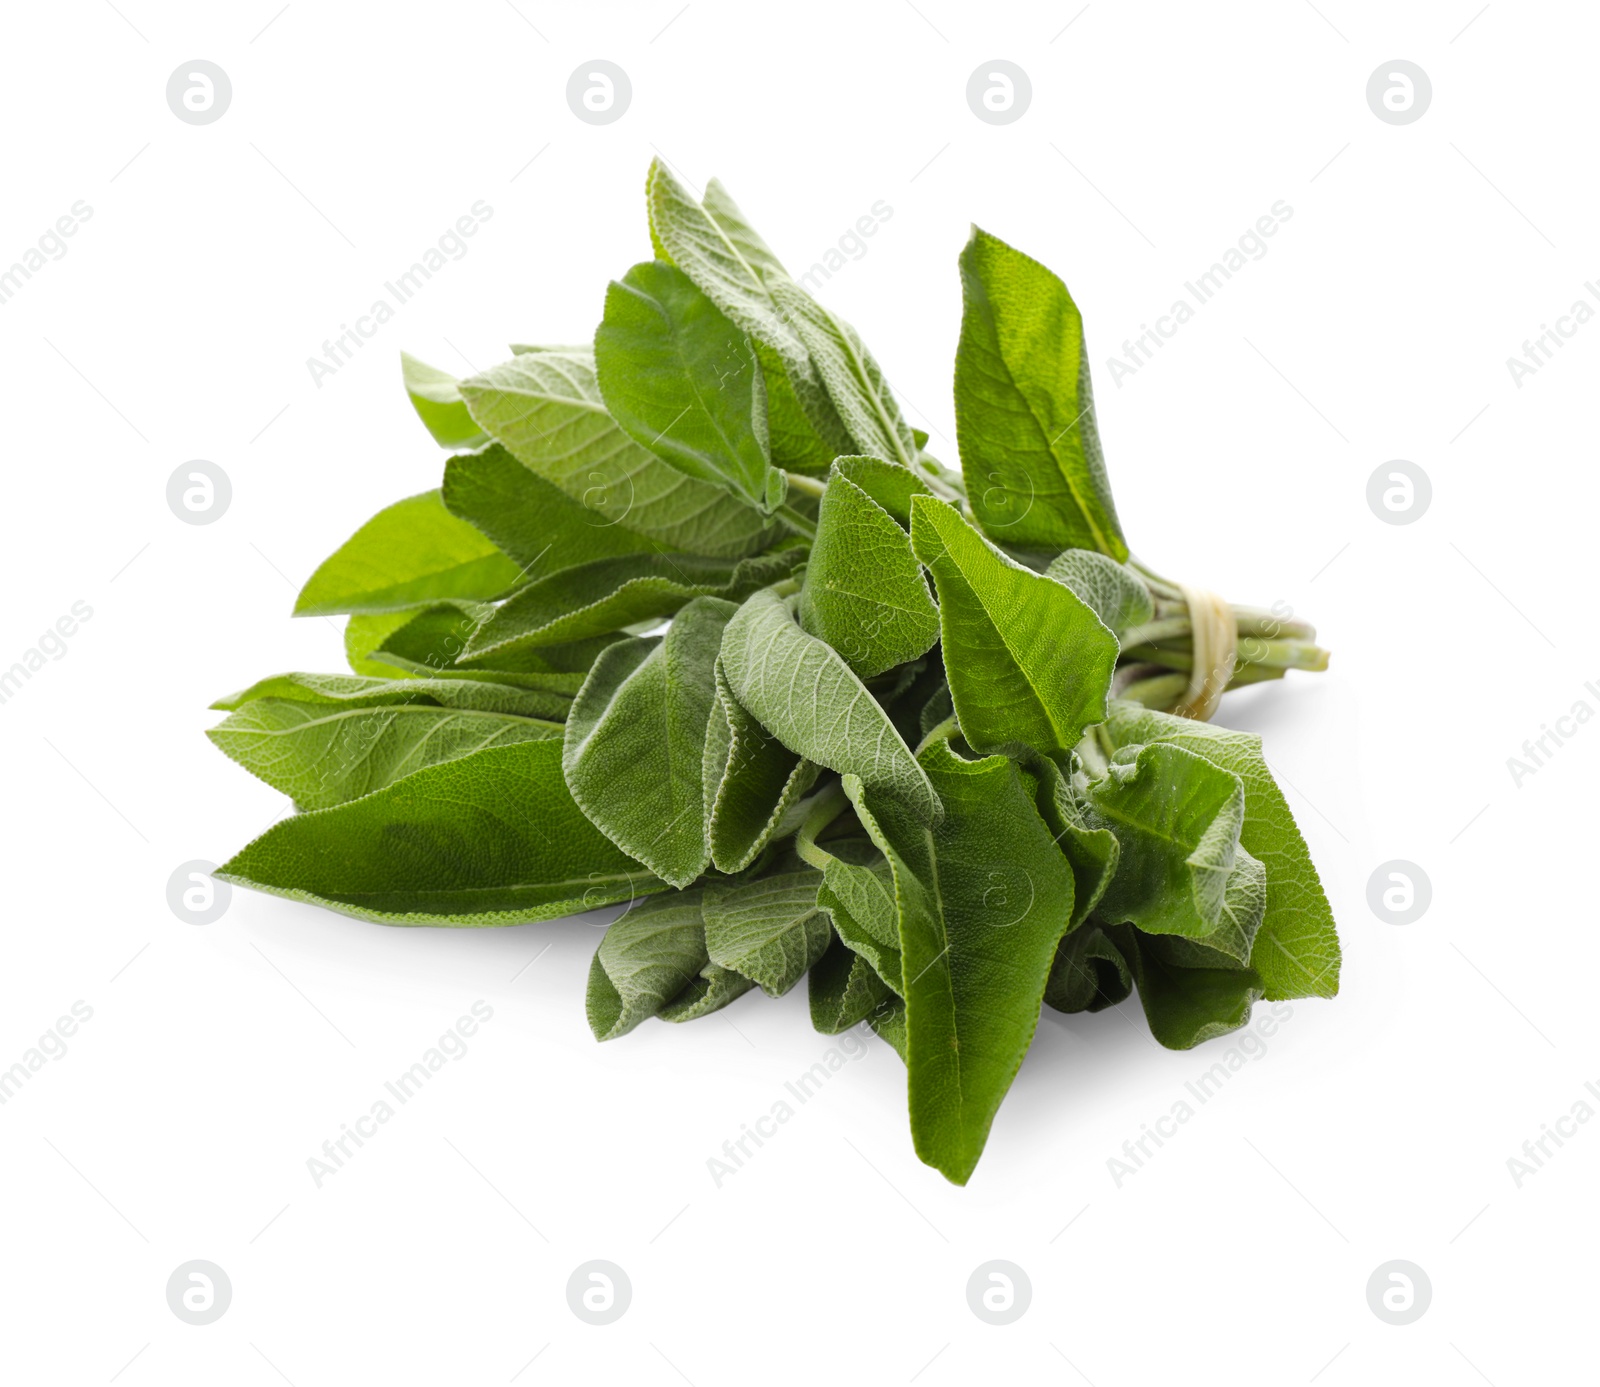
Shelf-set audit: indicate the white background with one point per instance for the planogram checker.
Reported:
(219, 1058)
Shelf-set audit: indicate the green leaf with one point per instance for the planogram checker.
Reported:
(608, 594)
(431, 643)
(844, 990)
(938, 708)
(864, 592)
(1027, 661)
(364, 633)
(408, 555)
(770, 929)
(750, 781)
(858, 879)
(795, 433)
(744, 239)
(1186, 1005)
(717, 248)
(1092, 851)
(646, 959)
(866, 891)
(851, 883)
(530, 520)
(888, 483)
(635, 742)
(546, 408)
(984, 898)
(491, 839)
(435, 395)
(853, 379)
(1296, 950)
(1177, 819)
(425, 640)
(712, 990)
(723, 265)
(1115, 593)
(858, 893)
(684, 382)
(1089, 973)
(323, 754)
(805, 694)
(1025, 423)
(1244, 905)
(355, 691)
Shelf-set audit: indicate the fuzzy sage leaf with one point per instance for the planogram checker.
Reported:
(684, 382)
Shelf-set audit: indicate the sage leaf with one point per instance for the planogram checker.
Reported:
(770, 929)
(1186, 1005)
(1025, 422)
(938, 708)
(984, 898)
(1176, 817)
(593, 599)
(1113, 591)
(806, 695)
(718, 249)
(750, 781)
(408, 555)
(744, 239)
(864, 593)
(1296, 949)
(1027, 660)
(889, 484)
(720, 254)
(711, 990)
(858, 892)
(425, 640)
(436, 396)
(684, 382)
(843, 990)
(322, 754)
(1089, 973)
(355, 691)
(647, 959)
(1092, 850)
(364, 633)
(432, 643)
(546, 408)
(1243, 906)
(635, 742)
(532, 521)
(864, 939)
(489, 839)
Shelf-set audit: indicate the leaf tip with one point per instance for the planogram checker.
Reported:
(602, 1005)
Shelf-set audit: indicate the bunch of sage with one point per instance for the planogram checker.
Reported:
(695, 623)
